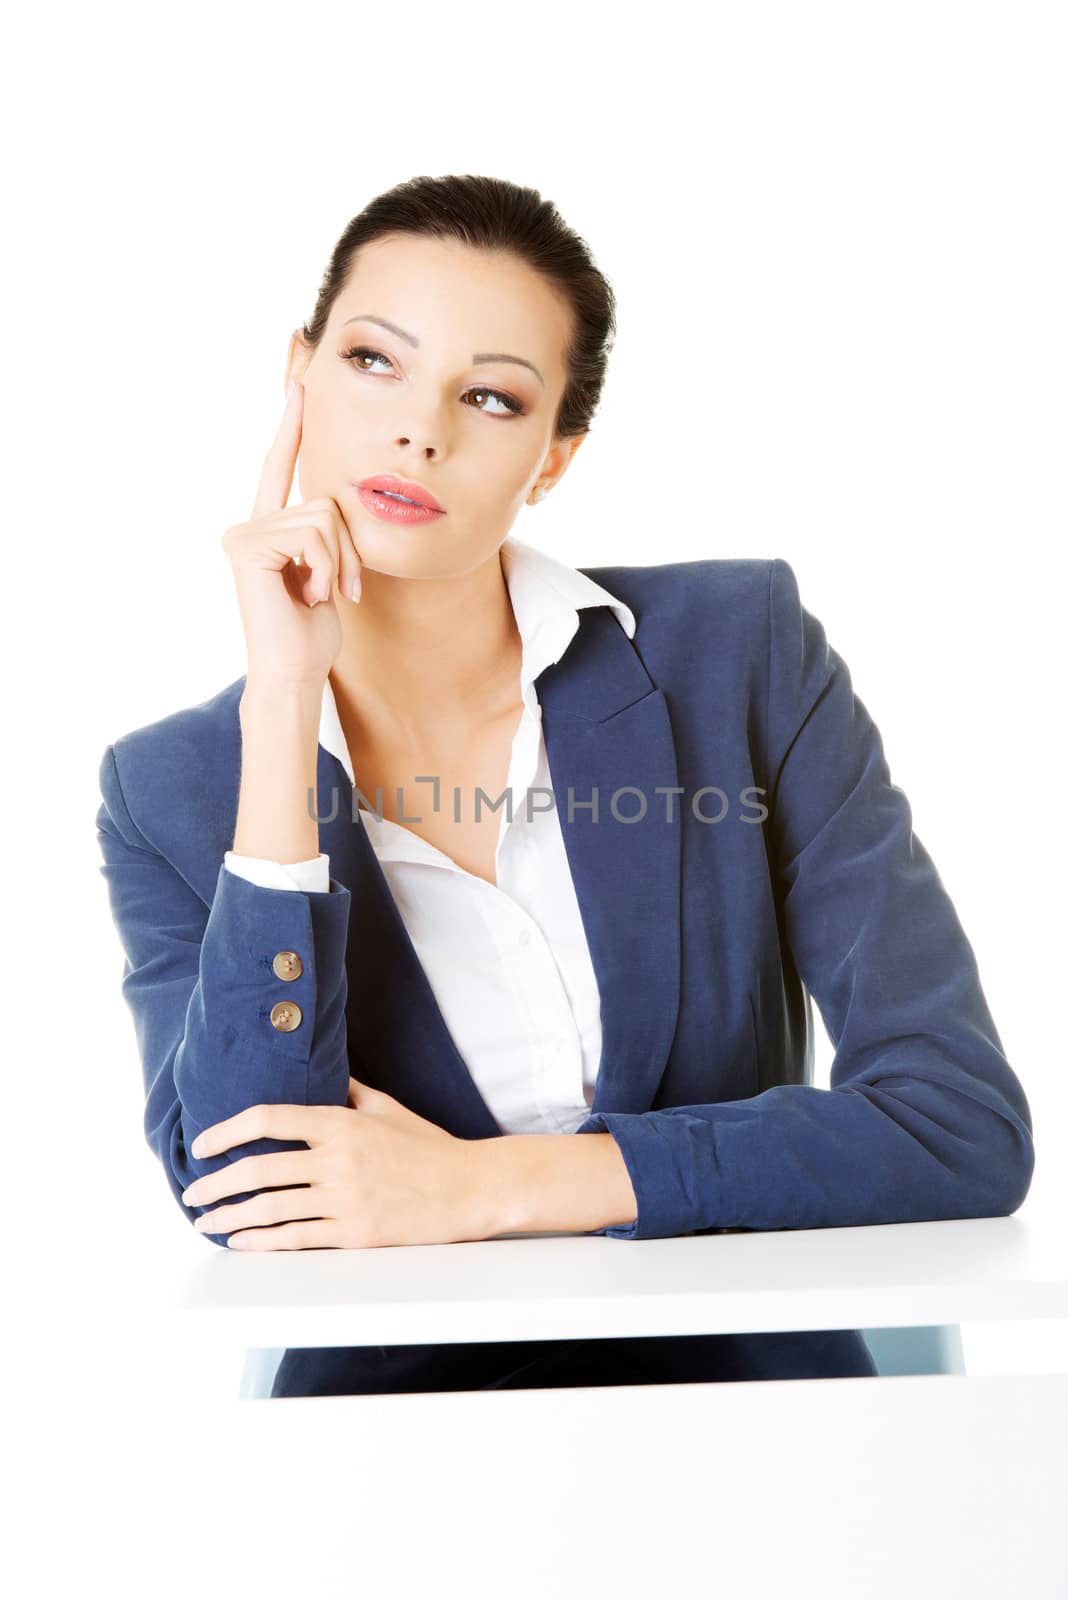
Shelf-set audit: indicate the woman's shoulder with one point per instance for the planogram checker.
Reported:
(726, 597)
(187, 726)
(719, 581)
(191, 753)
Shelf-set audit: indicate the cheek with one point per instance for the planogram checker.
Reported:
(331, 425)
(523, 469)
(508, 456)
(498, 480)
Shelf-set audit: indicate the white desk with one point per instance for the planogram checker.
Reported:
(934, 1485)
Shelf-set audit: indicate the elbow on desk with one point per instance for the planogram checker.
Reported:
(983, 1154)
(999, 1165)
(1011, 1169)
(1006, 1155)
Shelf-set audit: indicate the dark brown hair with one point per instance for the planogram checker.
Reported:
(492, 214)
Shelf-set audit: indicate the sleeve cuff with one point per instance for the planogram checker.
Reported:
(311, 877)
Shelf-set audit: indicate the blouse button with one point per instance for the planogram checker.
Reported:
(524, 937)
(287, 965)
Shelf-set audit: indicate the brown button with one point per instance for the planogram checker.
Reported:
(285, 1016)
(287, 965)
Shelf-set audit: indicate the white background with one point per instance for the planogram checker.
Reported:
(837, 237)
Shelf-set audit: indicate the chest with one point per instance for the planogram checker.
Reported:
(447, 813)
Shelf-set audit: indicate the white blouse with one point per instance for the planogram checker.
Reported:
(509, 964)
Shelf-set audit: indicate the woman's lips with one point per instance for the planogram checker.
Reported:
(386, 509)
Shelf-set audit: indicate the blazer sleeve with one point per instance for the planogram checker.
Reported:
(200, 984)
(924, 1120)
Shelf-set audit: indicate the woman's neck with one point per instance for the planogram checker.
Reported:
(423, 660)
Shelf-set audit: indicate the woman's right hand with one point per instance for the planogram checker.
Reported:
(285, 563)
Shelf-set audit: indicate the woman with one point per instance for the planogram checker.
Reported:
(375, 1016)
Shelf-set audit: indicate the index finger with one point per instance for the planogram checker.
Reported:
(260, 1122)
(276, 479)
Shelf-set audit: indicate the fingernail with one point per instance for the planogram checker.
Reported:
(291, 390)
(357, 587)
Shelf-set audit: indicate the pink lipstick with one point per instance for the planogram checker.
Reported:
(396, 499)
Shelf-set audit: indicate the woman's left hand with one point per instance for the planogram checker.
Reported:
(381, 1176)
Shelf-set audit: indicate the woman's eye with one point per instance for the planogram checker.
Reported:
(361, 350)
(511, 406)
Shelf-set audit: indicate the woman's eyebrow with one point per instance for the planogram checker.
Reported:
(412, 340)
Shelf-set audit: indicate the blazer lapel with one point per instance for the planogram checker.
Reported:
(606, 729)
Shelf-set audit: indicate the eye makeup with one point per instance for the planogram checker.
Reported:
(513, 406)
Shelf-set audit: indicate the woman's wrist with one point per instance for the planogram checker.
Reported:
(266, 697)
(545, 1182)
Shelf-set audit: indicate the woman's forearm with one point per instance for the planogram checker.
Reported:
(279, 764)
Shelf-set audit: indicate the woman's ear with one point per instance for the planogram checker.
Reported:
(297, 357)
(557, 461)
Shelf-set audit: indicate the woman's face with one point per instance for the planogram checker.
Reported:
(416, 402)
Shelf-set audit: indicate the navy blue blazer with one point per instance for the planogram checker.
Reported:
(738, 849)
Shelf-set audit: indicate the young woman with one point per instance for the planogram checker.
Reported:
(484, 851)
